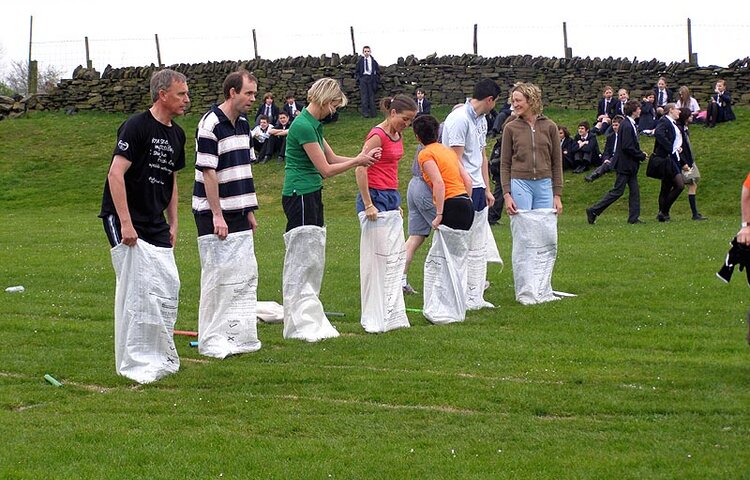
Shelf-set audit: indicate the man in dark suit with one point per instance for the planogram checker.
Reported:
(367, 74)
(267, 108)
(628, 158)
(423, 105)
(291, 107)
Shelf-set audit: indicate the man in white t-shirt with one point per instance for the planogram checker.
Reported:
(465, 131)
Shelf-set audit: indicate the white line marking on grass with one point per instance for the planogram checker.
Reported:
(390, 406)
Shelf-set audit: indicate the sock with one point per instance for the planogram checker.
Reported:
(691, 199)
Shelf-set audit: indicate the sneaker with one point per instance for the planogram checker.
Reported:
(409, 290)
(698, 216)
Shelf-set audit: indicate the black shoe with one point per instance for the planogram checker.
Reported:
(698, 216)
(590, 216)
(281, 159)
(579, 169)
(661, 217)
(590, 178)
(637, 221)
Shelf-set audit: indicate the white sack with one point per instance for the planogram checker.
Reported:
(304, 262)
(269, 312)
(493, 254)
(227, 324)
(445, 273)
(534, 235)
(382, 257)
(477, 262)
(146, 297)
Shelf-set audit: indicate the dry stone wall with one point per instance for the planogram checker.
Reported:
(568, 83)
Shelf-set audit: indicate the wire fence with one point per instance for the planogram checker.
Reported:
(715, 44)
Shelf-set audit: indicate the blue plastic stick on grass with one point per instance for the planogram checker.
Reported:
(52, 380)
(193, 344)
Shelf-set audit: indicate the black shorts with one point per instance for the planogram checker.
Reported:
(156, 233)
(236, 222)
(304, 209)
(458, 212)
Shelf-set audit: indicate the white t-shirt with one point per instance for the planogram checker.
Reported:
(464, 128)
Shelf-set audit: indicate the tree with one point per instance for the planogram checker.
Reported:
(17, 79)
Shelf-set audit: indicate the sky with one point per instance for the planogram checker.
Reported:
(124, 35)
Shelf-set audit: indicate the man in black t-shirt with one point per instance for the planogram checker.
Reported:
(142, 183)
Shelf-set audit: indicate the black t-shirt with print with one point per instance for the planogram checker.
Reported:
(156, 152)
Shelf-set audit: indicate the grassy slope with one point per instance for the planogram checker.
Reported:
(645, 374)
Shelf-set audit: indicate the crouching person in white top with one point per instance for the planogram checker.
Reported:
(140, 187)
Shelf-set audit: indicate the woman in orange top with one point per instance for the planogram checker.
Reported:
(446, 176)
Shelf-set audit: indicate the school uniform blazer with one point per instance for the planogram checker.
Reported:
(274, 113)
(724, 101)
(609, 148)
(286, 108)
(628, 155)
(425, 106)
(360, 70)
(610, 110)
(617, 109)
(670, 96)
(664, 136)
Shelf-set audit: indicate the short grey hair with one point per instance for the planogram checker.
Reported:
(162, 80)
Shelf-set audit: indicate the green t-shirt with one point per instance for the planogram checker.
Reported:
(300, 175)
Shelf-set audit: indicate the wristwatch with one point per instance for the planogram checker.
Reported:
(744, 224)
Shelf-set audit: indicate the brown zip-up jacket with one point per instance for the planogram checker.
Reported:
(531, 154)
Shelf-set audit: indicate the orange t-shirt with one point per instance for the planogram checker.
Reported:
(447, 163)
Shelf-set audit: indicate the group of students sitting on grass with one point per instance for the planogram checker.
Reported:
(582, 152)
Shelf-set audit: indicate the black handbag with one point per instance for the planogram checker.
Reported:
(656, 166)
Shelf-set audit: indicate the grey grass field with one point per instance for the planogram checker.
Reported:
(645, 374)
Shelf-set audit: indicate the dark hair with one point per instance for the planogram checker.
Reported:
(289, 95)
(486, 88)
(631, 106)
(263, 117)
(400, 102)
(685, 113)
(235, 79)
(426, 129)
(618, 118)
(565, 131)
(584, 124)
(420, 89)
(283, 112)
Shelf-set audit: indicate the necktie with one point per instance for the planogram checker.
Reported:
(268, 110)
(661, 97)
(606, 106)
(420, 106)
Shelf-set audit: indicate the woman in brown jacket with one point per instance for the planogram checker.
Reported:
(531, 158)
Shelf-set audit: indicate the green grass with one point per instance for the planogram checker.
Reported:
(644, 375)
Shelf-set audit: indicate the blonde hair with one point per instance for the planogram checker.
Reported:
(533, 95)
(326, 90)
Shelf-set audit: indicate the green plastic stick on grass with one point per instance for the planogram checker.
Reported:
(52, 380)
(334, 314)
(415, 310)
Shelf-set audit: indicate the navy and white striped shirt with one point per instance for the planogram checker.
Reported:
(226, 148)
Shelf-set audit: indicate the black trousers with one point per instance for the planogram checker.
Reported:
(367, 86)
(634, 199)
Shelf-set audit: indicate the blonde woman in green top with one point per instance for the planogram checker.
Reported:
(309, 158)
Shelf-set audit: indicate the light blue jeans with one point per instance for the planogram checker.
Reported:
(532, 194)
